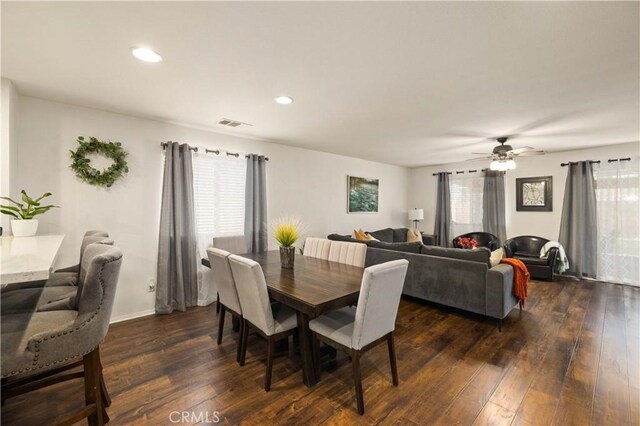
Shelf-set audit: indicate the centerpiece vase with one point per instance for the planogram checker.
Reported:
(287, 257)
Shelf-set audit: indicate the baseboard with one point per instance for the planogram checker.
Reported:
(132, 316)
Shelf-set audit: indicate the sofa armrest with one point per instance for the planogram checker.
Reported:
(553, 256)
(429, 240)
(499, 293)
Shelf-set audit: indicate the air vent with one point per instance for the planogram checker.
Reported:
(232, 123)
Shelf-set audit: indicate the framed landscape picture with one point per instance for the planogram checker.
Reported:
(534, 194)
(362, 195)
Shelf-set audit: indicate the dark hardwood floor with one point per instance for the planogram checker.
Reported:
(573, 358)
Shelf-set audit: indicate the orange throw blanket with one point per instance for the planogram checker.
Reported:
(520, 279)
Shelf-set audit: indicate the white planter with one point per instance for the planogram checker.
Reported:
(24, 228)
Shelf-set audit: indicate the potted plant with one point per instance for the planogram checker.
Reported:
(286, 231)
(23, 223)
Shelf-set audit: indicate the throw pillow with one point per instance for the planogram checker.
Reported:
(413, 236)
(360, 235)
(370, 237)
(496, 256)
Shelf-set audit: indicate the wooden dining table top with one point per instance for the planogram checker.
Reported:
(314, 286)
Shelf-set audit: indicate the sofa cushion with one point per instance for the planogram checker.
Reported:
(385, 235)
(405, 247)
(338, 237)
(400, 235)
(481, 254)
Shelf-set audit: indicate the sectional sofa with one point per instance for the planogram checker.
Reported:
(462, 279)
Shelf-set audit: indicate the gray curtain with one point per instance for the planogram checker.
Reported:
(177, 286)
(443, 211)
(493, 206)
(578, 225)
(255, 218)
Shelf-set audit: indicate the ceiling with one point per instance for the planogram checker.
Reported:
(406, 83)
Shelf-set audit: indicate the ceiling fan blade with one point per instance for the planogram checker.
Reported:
(478, 158)
(521, 150)
(480, 153)
(530, 153)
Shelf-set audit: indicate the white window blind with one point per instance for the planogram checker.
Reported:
(466, 204)
(219, 186)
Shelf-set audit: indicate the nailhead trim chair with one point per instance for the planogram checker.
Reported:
(355, 330)
(48, 298)
(42, 345)
(257, 312)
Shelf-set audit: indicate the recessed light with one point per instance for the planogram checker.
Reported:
(284, 100)
(145, 54)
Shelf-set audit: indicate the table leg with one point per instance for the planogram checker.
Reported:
(308, 372)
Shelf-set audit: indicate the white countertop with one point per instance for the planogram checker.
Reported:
(27, 258)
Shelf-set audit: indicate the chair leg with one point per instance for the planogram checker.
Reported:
(106, 399)
(220, 324)
(245, 335)
(270, 351)
(239, 351)
(92, 396)
(357, 380)
(217, 303)
(392, 359)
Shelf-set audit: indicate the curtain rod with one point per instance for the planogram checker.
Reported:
(164, 146)
(610, 160)
(462, 171)
(229, 154)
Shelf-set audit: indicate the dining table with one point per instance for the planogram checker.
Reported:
(27, 258)
(312, 287)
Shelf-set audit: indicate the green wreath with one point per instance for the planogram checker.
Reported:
(82, 165)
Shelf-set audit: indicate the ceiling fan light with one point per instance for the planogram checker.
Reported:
(510, 165)
(495, 165)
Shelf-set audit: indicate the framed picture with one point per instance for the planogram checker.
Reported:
(362, 195)
(534, 194)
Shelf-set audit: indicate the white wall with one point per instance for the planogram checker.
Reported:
(544, 224)
(307, 183)
(8, 144)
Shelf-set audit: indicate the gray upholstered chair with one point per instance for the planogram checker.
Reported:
(317, 247)
(357, 329)
(223, 280)
(62, 277)
(257, 312)
(47, 298)
(37, 348)
(236, 244)
(348, 253)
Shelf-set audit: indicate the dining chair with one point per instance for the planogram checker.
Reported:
(83, 245)
(47, 298)
(236, 244)
(348, 253)
(317, 247)
(355, 330)
(39, 349)
(257, 313)
(223, 280)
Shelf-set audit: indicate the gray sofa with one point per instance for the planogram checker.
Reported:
(462, 279)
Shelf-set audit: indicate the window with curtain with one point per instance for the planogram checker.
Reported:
(617, 195)
(466, 204)
(218, 186)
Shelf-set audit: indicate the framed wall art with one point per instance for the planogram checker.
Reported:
(534, 194)
(362, 195)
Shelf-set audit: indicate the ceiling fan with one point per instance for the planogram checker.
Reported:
(502, 155)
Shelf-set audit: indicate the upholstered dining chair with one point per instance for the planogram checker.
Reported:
(257, 312)
(317, 247)
(355, 330)
(348, 253)
(37, 348)
(62, 277)
(47, 298)
(226, 286)
(235, 244)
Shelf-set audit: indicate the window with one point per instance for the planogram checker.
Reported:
(617, 195)
(466, 204)
(218, 187)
